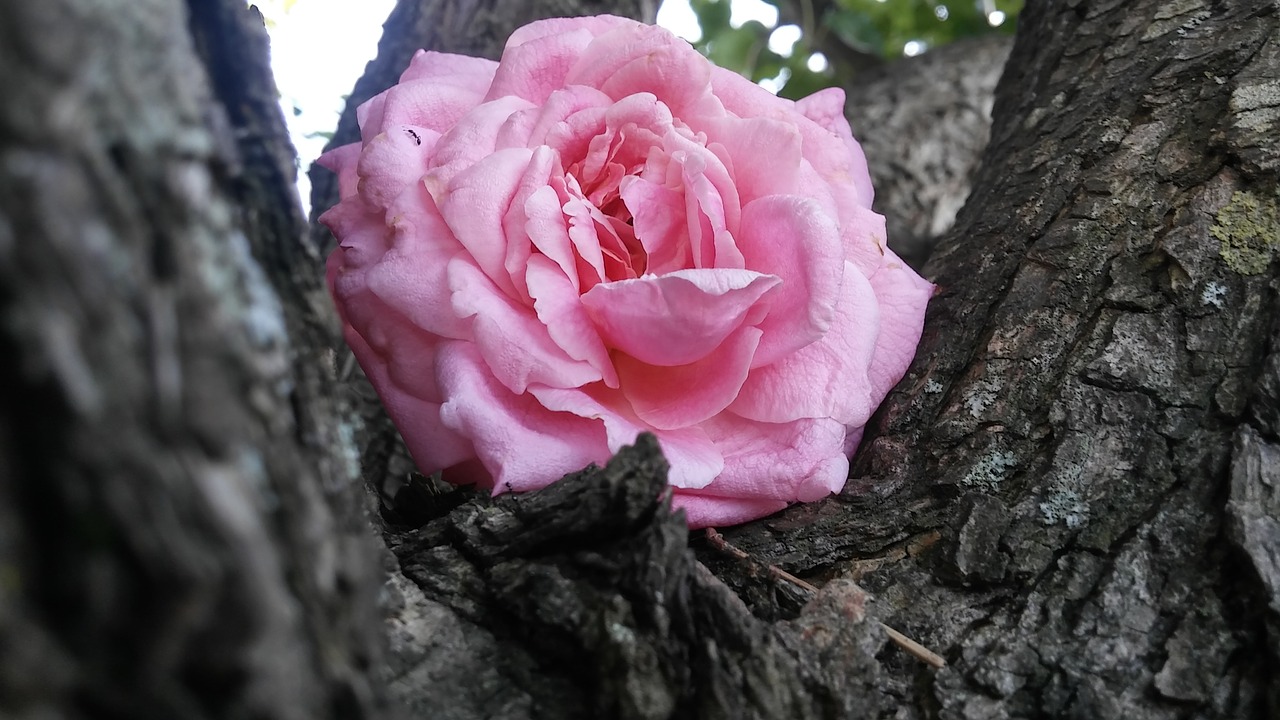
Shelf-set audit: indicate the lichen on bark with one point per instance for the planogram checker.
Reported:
(1248, 229)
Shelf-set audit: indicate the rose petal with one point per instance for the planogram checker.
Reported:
(902, 296)
(705, 177)
(471, 140)
(685, 395)
(762, 154)
(514, 343)
(644, 58)
(827, 379)
(569, 119)
(412, 276)
(433, 445)
(597, 25)
(560, 308)
(585, 239)
(657, 214)
(543, 166)
(680, 317)
(535, 68)
(823, 146)
(461, 71)
(362, 234)
(421, 103)
(864, 241)
(393, 161)
(792, 238)
(523, 445)
(826, 109)
(474, 206)
(400, 370)
(703, 511)
(801, 461)
(694, 459)
(767, 466)
(745, 99)
(549, 232)
(343, 161)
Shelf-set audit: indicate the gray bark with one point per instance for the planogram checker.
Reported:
(923, 124)
(182, 532)
(1072, 495)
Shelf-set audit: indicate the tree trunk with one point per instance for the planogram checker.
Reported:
(182, 532)
(1072, 495)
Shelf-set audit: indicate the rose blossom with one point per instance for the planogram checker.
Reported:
(604, 234)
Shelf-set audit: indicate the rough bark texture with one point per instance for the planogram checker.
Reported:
(180, 532)
(1073, 494)
(923, 124)
(584, 601)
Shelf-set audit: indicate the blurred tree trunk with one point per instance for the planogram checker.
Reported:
(1072, 495)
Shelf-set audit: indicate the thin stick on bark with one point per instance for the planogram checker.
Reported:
(913, 648)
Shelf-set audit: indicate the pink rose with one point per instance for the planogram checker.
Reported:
(604, 234)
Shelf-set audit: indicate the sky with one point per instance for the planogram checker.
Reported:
(319, 49)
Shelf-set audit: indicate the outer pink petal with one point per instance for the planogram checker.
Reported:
(864, 241)
(694, 459)
(523, 445)
(826, 108)
(792, 238)
(537, 67)
(596, 25)
(762, 154)
(369, 116)
(703, 511)
(474, 206)
(412, 276)
(472, 139)
(515, 345)
(343, 161)
(394, 160)
(745, 99)
(680, 317)
(645, 58)
(828, 150)
(827, 379)
(401, 369)
(679, 397)
(902, 295)
(422, 103)
(471, 73)
(766, 468)
(433, 445)
(403, 352)
(797, 461)
(559, 307)
(362, 234)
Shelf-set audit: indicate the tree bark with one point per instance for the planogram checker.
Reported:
(923, 123)
(182, 528)
(1072, 495)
